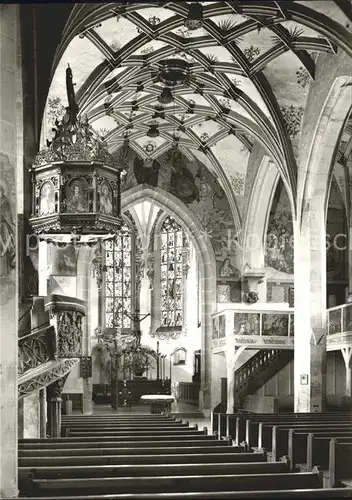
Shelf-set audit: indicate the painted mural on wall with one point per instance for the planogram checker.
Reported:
(336, 226)
(279, 238)
(64, 260)
(7, 229)
(193, 184)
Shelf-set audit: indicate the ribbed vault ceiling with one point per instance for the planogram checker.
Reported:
(250, 65)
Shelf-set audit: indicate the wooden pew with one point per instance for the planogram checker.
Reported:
(270, 434)
(280, 436)
(129, 442)
(182, 434)
(147, 448)
(185, 484)
(156, 456)
(149, 470)
(318, 450)
(340, 462)
(187, 432)
(238, 425)
(261, 434)
(125, 425)
(297, 494)
(300, 446)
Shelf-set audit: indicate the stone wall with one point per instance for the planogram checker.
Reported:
(10, 63)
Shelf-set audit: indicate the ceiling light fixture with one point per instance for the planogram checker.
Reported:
(194, 19)
(166, 96)
(153, 131)
(173, 72)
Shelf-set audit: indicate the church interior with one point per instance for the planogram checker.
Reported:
(176, 250)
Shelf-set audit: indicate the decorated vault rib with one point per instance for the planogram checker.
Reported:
(76, 181)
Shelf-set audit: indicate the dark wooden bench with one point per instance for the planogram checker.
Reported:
(144, 447)
(242, 417)
(261, 433)
(183, 433)
(340, 462)
(300, 446)
(318, 450)
(187, 431)
(127, 428)
(185, 484)
(192, 455)
(298, 494)
(144, 470)
(238, 426)
(275, 437)
(129, 441)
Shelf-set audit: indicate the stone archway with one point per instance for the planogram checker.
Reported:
(257, 216)
(189, 221)
(310, 249)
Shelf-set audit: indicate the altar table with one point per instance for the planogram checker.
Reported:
(159, 403)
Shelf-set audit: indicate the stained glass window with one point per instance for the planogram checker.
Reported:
(172, 239)
(118, 279)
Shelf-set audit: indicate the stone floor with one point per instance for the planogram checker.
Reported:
(182, 410)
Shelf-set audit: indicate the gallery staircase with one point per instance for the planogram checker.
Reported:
(258, 370)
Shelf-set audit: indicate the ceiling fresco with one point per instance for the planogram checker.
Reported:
(245, 74)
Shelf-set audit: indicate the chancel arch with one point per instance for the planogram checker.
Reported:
(200, 240)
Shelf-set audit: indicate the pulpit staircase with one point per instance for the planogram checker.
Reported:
(258, 370)
(52, 347)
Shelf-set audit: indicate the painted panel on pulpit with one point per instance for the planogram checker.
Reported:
(105, 201)
(77, 196)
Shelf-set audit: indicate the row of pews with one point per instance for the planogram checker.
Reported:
(307, 439)
(156, 456)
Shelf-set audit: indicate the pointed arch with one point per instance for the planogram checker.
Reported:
(201, 241)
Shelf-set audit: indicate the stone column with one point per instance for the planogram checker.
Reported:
(232, 355)
(54, 399)
(42, 413)
(347, 356)
(83, 287)
(310, 311)
(10, 128)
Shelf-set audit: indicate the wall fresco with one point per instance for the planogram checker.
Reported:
(7, 229)
(193, 184)
(279, 238)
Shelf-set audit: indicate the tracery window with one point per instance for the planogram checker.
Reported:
(172, 243)
(118, 279)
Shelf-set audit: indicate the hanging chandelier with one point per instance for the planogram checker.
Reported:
(153, 131)
(166, 96)
(194, 19)
(76, 182)
(173, 72)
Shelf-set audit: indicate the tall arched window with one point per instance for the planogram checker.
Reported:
(171, 277)
(118, 279)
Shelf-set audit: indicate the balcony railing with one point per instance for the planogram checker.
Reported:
(339, 319)
(269, 327)
(339, 326)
